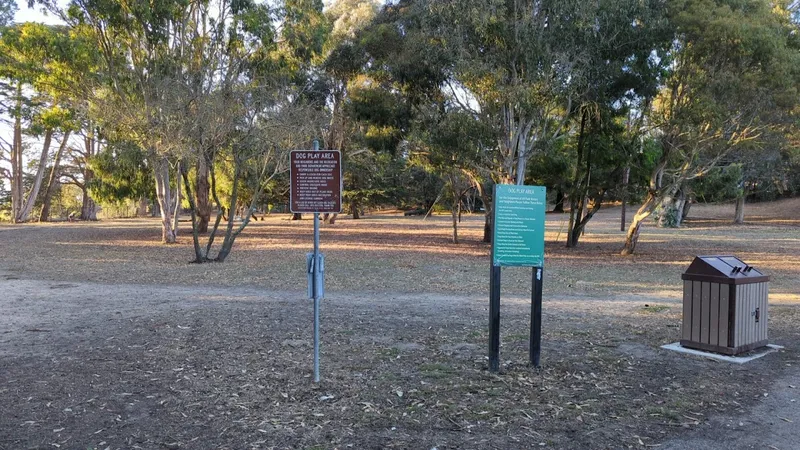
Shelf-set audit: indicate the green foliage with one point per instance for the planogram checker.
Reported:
(50, 62)
(121, 172)
(551, 167)
(304, 28)
(5, 201)
(382, 116)
(666, 217)
(643, 161)
(734, 71)
(719, 184)
(67, 200)
(372, 179)
(421, 95)
(421, 188)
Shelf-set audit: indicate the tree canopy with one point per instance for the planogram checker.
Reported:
(194, 104)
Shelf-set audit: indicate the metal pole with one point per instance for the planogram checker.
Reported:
(315, 268)
(536, 317)
(494, 319)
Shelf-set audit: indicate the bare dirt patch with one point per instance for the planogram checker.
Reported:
(108, 339)
(390, 253)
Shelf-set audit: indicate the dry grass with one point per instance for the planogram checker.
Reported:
(404, 337)
(390, 253)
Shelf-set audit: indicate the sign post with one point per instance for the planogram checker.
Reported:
(518, 240)
(315, 187)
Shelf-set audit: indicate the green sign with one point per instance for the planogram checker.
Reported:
(518, 238)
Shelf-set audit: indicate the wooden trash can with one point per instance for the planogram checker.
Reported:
(724, 306)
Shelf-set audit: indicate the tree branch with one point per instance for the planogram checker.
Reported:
(75, 181)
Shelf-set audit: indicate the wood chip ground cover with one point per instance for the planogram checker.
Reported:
(109, 339)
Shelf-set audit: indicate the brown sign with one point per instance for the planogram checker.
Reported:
(316, 181)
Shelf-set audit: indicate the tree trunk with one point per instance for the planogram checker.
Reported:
(297, 216)
(177, 210)
(336, 134)
(559, 206)
(454, 208)
(577, 195)
(16, 159)
(679, 204)
(739, 215)
(574, 234)
(632, 238)
(37, 182)
(666, 213)
(687, 205)
(227, 242)
(668, 216)
(88, 206)
(625, 177)
(161, 175)
(488, 224)
(199, 257)
(141, 210)
(329, 218)
(580, 226)
(575, 211)
(202, 202)
(522, 159)
(44, 216)
(354, 209)
(454, 213)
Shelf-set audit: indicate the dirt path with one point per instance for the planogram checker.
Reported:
(131, 366)
(773, 423)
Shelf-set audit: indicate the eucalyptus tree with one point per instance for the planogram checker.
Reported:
(732, 68)
(247, 108)
(516, 61)
(37, 93)
(511, 64)
(381, 70)
(344, 60)
(614, 75)
(247, 119)
(190, 81)
(138, 46)
(449, 142)
(758, 172)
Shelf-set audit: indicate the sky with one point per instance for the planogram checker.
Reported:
(25, 14)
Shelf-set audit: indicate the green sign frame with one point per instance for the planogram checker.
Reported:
(519, 222)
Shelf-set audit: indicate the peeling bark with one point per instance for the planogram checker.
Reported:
(16, 159)
(739, 215)
(161, 175)
(202, 202)
(644, 212)
(44, 216)
(23, 214)
(89, 207)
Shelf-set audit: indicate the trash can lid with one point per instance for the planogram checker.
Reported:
(723, 269)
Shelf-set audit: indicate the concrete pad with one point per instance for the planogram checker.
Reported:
(752, 355)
